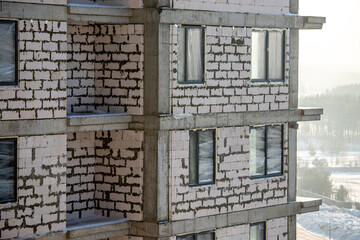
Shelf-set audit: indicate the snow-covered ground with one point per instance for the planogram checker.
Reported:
(350, 180)
(344, 223)
(344, 159)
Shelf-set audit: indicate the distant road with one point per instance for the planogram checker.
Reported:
(303, 234)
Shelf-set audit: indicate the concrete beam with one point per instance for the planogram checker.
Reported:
(99, 14)
(97, 119)
(170, 228)
(98, 19)
(18, 10)
(179, 122)
(193, 17)
(33, 127)
(100, 11)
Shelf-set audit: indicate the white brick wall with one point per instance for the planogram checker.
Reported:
(227, 86)
(248, 6)
(42, 79)
(276, 229)
(233, 190)
(119, 174)
(41, 205)
(105, 174)
(105, 68)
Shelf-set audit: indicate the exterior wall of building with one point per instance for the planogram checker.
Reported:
(119, 174)
(41, 205)
(249, 6)
(276, 229)
(105, 68)
(227, 86)
(105, 174)
(41, 92)
(233, 189)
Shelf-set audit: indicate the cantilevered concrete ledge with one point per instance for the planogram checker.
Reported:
(236, 19)
(99, 14)
(167, 229)
(309, 204)
(120, 121)
(189, 121)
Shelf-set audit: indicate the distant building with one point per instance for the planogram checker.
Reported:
(151, 119)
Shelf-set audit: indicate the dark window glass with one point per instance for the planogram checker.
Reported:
(8, 52)
(198, 236)
(8, 166)
(267, 56)
(266, 150)
(257, 231)
(202, 157)
(190, 54)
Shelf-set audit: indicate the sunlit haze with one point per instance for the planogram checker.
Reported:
(330, 57)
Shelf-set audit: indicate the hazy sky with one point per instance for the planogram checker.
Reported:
(330, 56)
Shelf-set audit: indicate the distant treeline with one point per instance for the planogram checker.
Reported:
(341, 118)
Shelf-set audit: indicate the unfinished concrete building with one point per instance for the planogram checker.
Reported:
(150, 119)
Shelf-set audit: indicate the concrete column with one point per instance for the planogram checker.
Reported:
(292, 227)
(294, 6)
(156, 102)
(293, 103)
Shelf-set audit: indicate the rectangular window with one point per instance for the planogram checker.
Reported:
(202, 157)
(267, 56)
(198, 236)
(191, 54)
(258, 231)
(266, 151)
(8, 53)
(8, 170)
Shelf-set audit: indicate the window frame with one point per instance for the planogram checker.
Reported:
(267, 80)
(195, 235)
(197, 157)
(186, 80)
(265, 175)
(264, 223)
(16, 174)
(16, 48)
